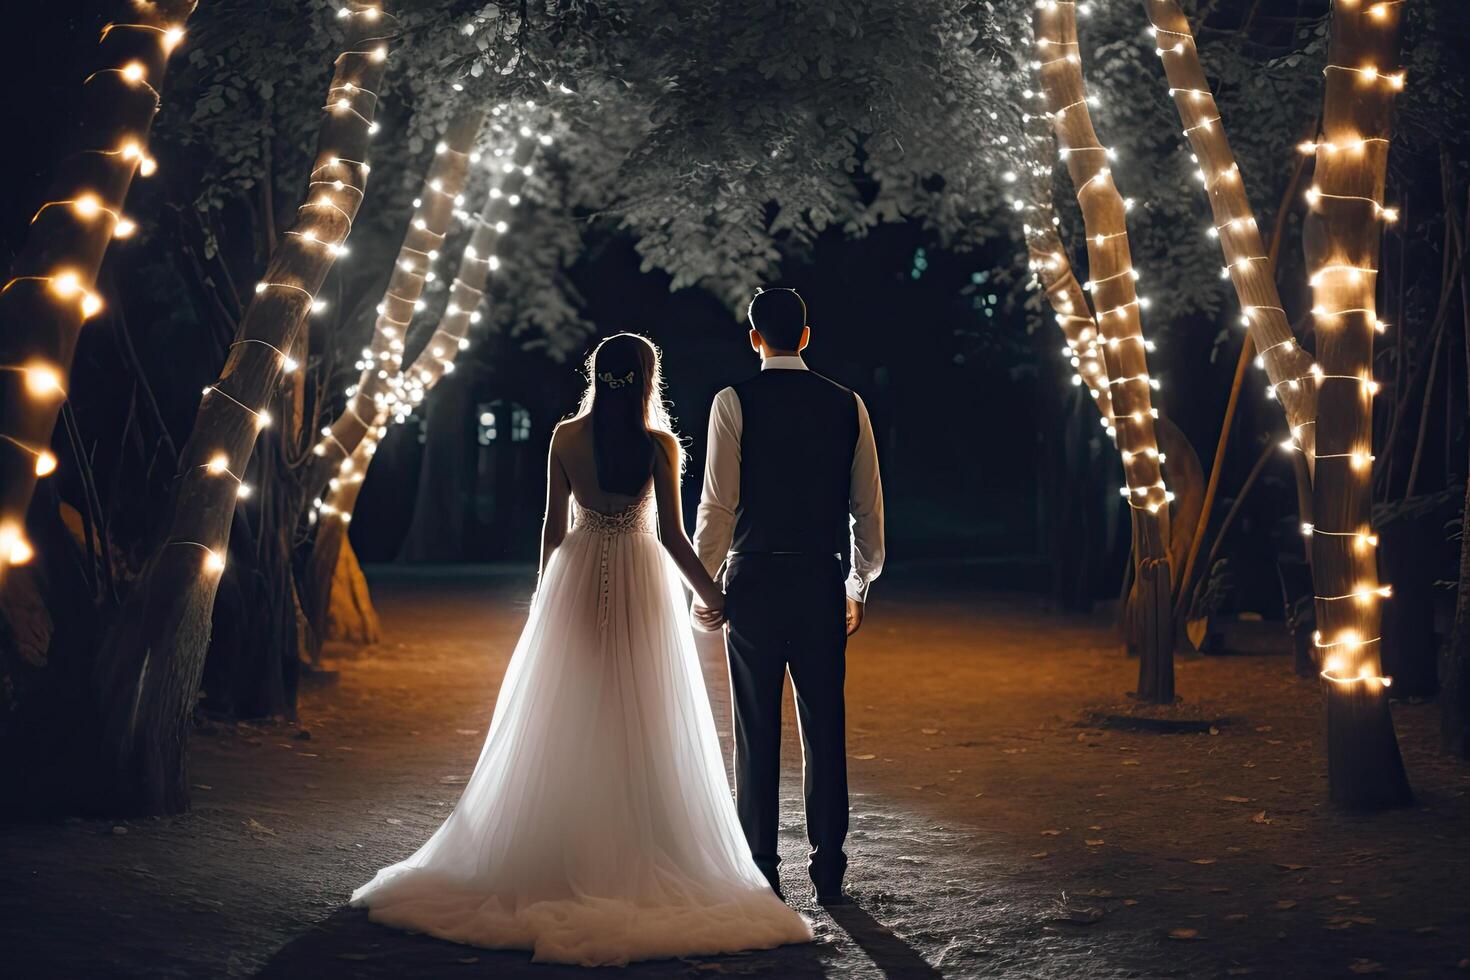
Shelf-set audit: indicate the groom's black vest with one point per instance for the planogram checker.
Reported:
(798, 435)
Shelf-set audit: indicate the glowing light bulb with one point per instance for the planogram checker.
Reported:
(133, 71)
(45, 463)
(218, 463)
(213, 561)
(42, 380)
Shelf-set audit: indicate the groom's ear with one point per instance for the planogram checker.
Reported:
(755, 341)
(806, 338)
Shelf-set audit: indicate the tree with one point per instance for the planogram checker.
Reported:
(1111, 275)
(1330, 397)
(1342, 240)
(399, 392)
(51, 291)
(149, 674)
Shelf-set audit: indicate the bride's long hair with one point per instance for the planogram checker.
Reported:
(625, 398)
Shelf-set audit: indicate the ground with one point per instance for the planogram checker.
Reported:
(998, 831)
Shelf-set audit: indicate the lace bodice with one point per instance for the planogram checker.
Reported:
(637, 518)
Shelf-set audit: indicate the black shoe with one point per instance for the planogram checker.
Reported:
(828, 899)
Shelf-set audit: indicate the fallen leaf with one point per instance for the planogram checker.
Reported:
(1130, 901)
(1366, 966)
(1285, 903)
(1051, 833)
(1203, 861)
(1183, 933)
(865, 756)
(1290, 867)
(1262, 818)
(1041, 854)
(1130, 762)
(256, 827)
(1237, 917)
(929, 731)
(1236, 799)
(1094, 843)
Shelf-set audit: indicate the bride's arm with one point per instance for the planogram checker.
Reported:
(558, 493)
(671, 523)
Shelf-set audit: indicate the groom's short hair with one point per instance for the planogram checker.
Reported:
(778, 315)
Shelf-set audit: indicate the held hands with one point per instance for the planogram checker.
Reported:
(709, 616)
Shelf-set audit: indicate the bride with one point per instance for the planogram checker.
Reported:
(598, 826)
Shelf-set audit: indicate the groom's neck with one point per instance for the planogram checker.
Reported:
(768, 353)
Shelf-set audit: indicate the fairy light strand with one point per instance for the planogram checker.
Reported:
(70, 282)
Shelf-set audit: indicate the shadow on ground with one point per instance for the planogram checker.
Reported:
(346, 944)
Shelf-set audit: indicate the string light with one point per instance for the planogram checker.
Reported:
(96, 212)
(1088, 161)
(393, 390)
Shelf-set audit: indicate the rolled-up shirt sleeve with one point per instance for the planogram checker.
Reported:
(865, 504)
(715, 526)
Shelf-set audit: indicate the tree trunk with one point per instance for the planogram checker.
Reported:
(1110, 268)
(1342, 236)
(51, 288)
(1454, 677)
(1252, 271)
(149, 674)
(351, 617)
(427, 229)
(437, 531)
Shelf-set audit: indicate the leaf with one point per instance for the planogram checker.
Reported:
(1203, 861)
(1041, 854)
(1366, 966)
(865, 756)
(930, 731)
(1291, 867)
(256, 827)
(1262, 818)
(1184, 934)
(1236, 799)
(1051, 833)
(1094, 843)
(1285, 903)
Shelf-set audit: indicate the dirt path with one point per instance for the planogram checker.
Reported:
(993, 833)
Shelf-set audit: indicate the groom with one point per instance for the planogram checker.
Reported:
(791, 477)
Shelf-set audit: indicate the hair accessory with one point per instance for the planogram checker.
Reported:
(607, 378)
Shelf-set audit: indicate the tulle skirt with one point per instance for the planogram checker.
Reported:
(598, 826)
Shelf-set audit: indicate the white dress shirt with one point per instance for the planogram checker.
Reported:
(721, 495)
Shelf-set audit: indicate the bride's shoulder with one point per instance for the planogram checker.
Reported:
(666, 441)
(569, 428)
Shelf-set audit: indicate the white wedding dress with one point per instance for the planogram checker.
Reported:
(598, 826)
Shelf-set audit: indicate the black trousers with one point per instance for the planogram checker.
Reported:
(788, 612)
